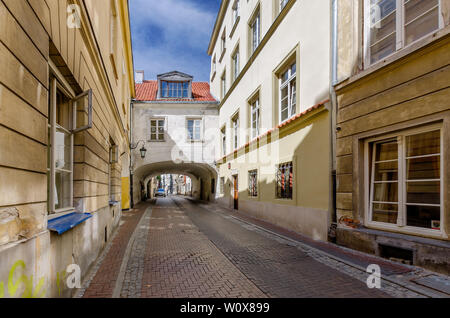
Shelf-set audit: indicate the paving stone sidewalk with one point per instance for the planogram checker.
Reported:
(103, 283)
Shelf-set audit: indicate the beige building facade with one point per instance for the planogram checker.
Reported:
(393, 124)
(272, 75)
(66, 80)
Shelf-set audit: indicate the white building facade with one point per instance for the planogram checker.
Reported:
(270, 68)
(176, 120)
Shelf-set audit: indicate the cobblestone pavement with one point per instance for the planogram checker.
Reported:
(181, 249)
(277, 268)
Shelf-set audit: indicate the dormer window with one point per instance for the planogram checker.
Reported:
(174, 89)
(174, 85)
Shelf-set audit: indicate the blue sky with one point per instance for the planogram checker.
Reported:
(172, 35)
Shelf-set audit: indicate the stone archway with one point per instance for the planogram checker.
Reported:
(200, 174)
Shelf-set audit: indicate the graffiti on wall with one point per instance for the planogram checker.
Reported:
(21, 285)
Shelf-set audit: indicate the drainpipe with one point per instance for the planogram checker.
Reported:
(131, 154)
(333, 115)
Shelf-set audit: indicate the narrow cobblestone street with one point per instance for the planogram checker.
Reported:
(182, 249)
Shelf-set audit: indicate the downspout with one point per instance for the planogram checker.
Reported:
(333, 116)
(131, 154)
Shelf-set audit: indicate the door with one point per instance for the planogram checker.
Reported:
(236, 192)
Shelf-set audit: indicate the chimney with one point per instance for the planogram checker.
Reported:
(139, 78)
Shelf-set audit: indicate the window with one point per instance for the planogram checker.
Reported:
(174, 89)
(394, 24)
(194, 129)
(224, 142)
(256, 30)
(214, 65)
(223, 42)
(113, 159)
(288, 93)
(235, 63)
(223, 85)
(255, 119)
(236, 7)
(64, 113)
(235, 127)
(253, 183)
(157, 129)
(222, 185)
(285, 181)
(406, 179)
(283, 4)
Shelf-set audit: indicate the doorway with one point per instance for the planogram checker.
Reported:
(236, 192)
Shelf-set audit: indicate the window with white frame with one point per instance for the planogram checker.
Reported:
(393, 24)
(256, 31)
(253, 183)
(288, 93)
(64, 114)
(157, 129)
(235, 129)
(235, 60)
(224, 141)
(406, 180)
(194, 127)
(255, 122)
(235, 8)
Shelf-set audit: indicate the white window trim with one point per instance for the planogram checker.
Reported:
(195, 119)
(157, 119)
(223, 140)
(235, 14)
(55, 85)
(401, 224)
(256, 21)
(254, 112)
(235, 131)
(236, 63)
(288, 84)
(400, 31)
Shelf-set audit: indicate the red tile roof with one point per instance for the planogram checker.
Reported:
(147, 91)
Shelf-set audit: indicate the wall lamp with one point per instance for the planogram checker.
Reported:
(143, 150)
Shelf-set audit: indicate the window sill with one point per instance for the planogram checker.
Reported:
(379, 232)
(407, 230)
(64, 223)
(235, 26)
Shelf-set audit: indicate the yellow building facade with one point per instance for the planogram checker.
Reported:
(66, 80)
(272, 77)
(393, 126)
